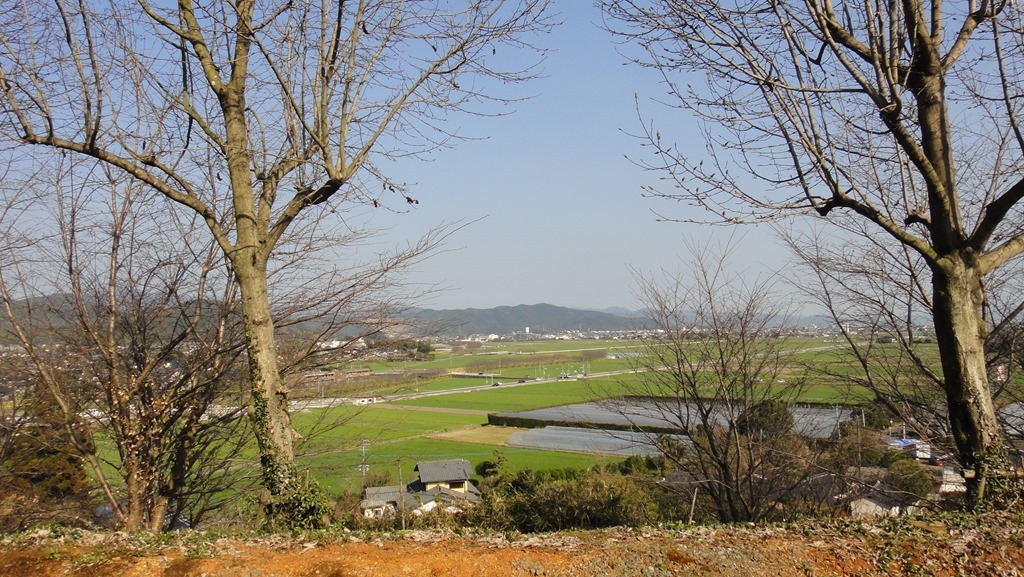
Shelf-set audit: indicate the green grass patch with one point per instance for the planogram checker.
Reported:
(524, 397)
(346, 425)
(556, 346)
(517, 354)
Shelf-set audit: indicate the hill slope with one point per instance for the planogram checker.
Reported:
(896, 548)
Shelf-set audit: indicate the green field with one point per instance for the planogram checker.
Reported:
(346, 446)
(519, 359)
(350, 424)
(400, 434)
(405, 431)
(338, 471)
(523, 397)
(386, 437)
(394, 435)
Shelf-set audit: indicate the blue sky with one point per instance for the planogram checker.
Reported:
(561, 216)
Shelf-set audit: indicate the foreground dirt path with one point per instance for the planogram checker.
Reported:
(825, 550)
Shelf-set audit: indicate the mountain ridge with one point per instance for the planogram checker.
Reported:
(538, 318)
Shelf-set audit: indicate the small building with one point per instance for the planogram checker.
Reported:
(383, 501)
(879, 500)
(952, 481)
(452, 474)
(916, 448)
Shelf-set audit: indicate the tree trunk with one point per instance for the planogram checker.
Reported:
(158, 514)
(960, 331)
(268, 404)
(135, 488)
(269, 398)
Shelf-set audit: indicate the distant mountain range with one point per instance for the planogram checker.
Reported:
(55, 312)
(540, 318)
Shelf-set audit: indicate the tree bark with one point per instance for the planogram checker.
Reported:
(960, 331)
(268, 396)
(135, 487)
(272, 428)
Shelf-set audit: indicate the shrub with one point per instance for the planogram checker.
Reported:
(770, 418)
(909, 478)
(42, 477)
(303, 507)
(877, 417)
(893, 456)
(552, 501)
(491, 467)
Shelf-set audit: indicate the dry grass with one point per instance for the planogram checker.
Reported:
(484, 435)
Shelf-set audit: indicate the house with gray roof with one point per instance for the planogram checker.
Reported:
(383, 501)
(452, 474)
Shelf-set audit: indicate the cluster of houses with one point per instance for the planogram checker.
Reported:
(438, 484)
(862, 493)
(859, 492)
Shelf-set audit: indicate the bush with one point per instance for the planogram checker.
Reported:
(893, 456)
(491, 467)
(566, 499)
(872, 456)
(770, 418)
(43, 479)
(876, 417)
(641, 465)
(909, 478)
(303, 507)
(43, 456)
(858, 446)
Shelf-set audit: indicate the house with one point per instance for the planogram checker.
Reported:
(383, 501)
(952, 481)
(439, 483)
(879, 500)
(916, 448)
(445, 483)
(452, 474)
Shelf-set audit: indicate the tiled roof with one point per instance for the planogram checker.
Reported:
(395, 495)
(445, 495)
(450, 470)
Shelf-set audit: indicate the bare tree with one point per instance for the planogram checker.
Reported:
(878, 296)
(140, 349)
(1005, 346)
(877, 111)
(717, 369)
(256, 116)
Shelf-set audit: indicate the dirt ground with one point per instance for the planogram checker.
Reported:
(482, 435)
(822, 549)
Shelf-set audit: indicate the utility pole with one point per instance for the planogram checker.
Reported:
(401, 494)
(363, 467)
